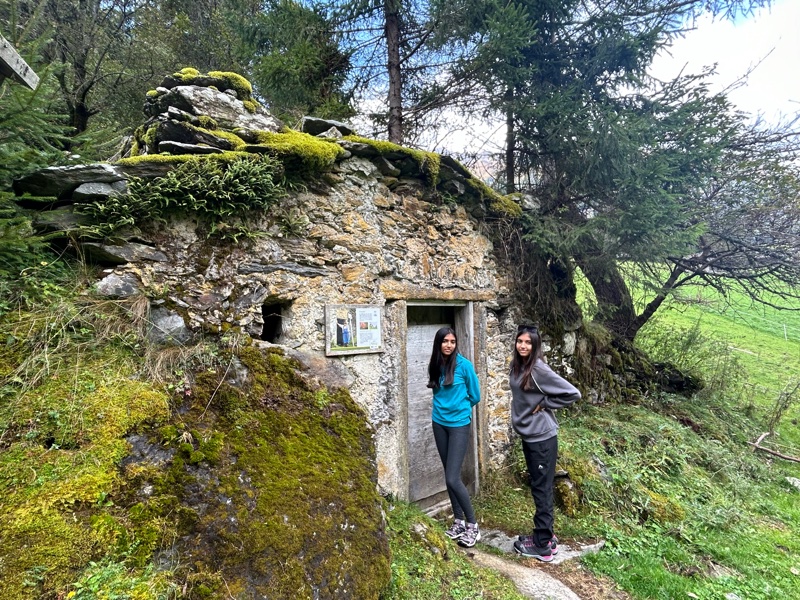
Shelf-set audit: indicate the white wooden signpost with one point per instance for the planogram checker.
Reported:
(12, 65)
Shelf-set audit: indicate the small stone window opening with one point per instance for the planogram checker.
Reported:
(273, 315)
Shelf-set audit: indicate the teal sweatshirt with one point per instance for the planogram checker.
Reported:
(452, 404)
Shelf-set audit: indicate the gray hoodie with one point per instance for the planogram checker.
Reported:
(551, 391)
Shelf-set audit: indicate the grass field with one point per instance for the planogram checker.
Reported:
(763, 343)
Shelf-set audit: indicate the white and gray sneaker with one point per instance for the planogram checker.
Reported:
(470, 536)
(457, 529)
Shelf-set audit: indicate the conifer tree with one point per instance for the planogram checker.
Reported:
(297, 65)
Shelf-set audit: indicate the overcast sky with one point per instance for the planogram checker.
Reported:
(768, 41)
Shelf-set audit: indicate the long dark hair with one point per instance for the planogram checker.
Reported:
(524, 366)
(439, 363)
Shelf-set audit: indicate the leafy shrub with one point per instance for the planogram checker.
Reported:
(694, 352)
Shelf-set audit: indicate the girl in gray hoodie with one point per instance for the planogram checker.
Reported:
(536, 390)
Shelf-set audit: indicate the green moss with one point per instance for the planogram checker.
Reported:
(289, 491)
(237, 142)
(311, 152)
(187, 74)
(499, 204)
(235, 82)
(149, 137)
(181, 158)
(505, 206)
(664, 510)
(152, 93)
(64, 443)
(207, 122)
(250, 106)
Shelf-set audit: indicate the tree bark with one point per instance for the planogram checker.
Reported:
(656, 302)
(614, 302)
(510, 143)
(391, 10)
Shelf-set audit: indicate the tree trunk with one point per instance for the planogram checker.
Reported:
(656, 302)
(614, 302)
(510, 143)
(391, 10)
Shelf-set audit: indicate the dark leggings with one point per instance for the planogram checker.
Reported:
(540, 458)
(452, 443)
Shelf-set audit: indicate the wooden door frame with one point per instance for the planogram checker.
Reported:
(469, 317)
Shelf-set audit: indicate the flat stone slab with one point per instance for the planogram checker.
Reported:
(501, 541)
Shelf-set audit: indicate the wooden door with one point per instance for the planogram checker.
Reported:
(426, 475)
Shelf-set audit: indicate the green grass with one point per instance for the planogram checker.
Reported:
(764, 344)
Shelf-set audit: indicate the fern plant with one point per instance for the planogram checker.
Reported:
(221, 194)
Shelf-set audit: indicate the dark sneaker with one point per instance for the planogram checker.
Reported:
(470, 536)
(528, 548)
(457, 529)
(553, 542)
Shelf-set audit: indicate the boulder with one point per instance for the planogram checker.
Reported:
(315, 126)
(227, 111)
(59, 181)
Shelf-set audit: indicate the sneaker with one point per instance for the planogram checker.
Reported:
(470, 536)
(528, 548)
(457, 529)
(553, 543)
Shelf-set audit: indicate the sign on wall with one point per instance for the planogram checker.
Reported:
(353, 329)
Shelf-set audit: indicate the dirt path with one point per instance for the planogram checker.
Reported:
(562, 579)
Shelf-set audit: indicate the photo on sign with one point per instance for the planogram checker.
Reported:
(352, 329)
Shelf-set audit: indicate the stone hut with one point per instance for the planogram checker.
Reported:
(352, 274)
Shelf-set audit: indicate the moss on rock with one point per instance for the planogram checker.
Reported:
(429, 163)
(300, 151)
(250, 492)
(275, 467)
(235, 82)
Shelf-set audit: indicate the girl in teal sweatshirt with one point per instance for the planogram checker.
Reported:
(455, 391)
